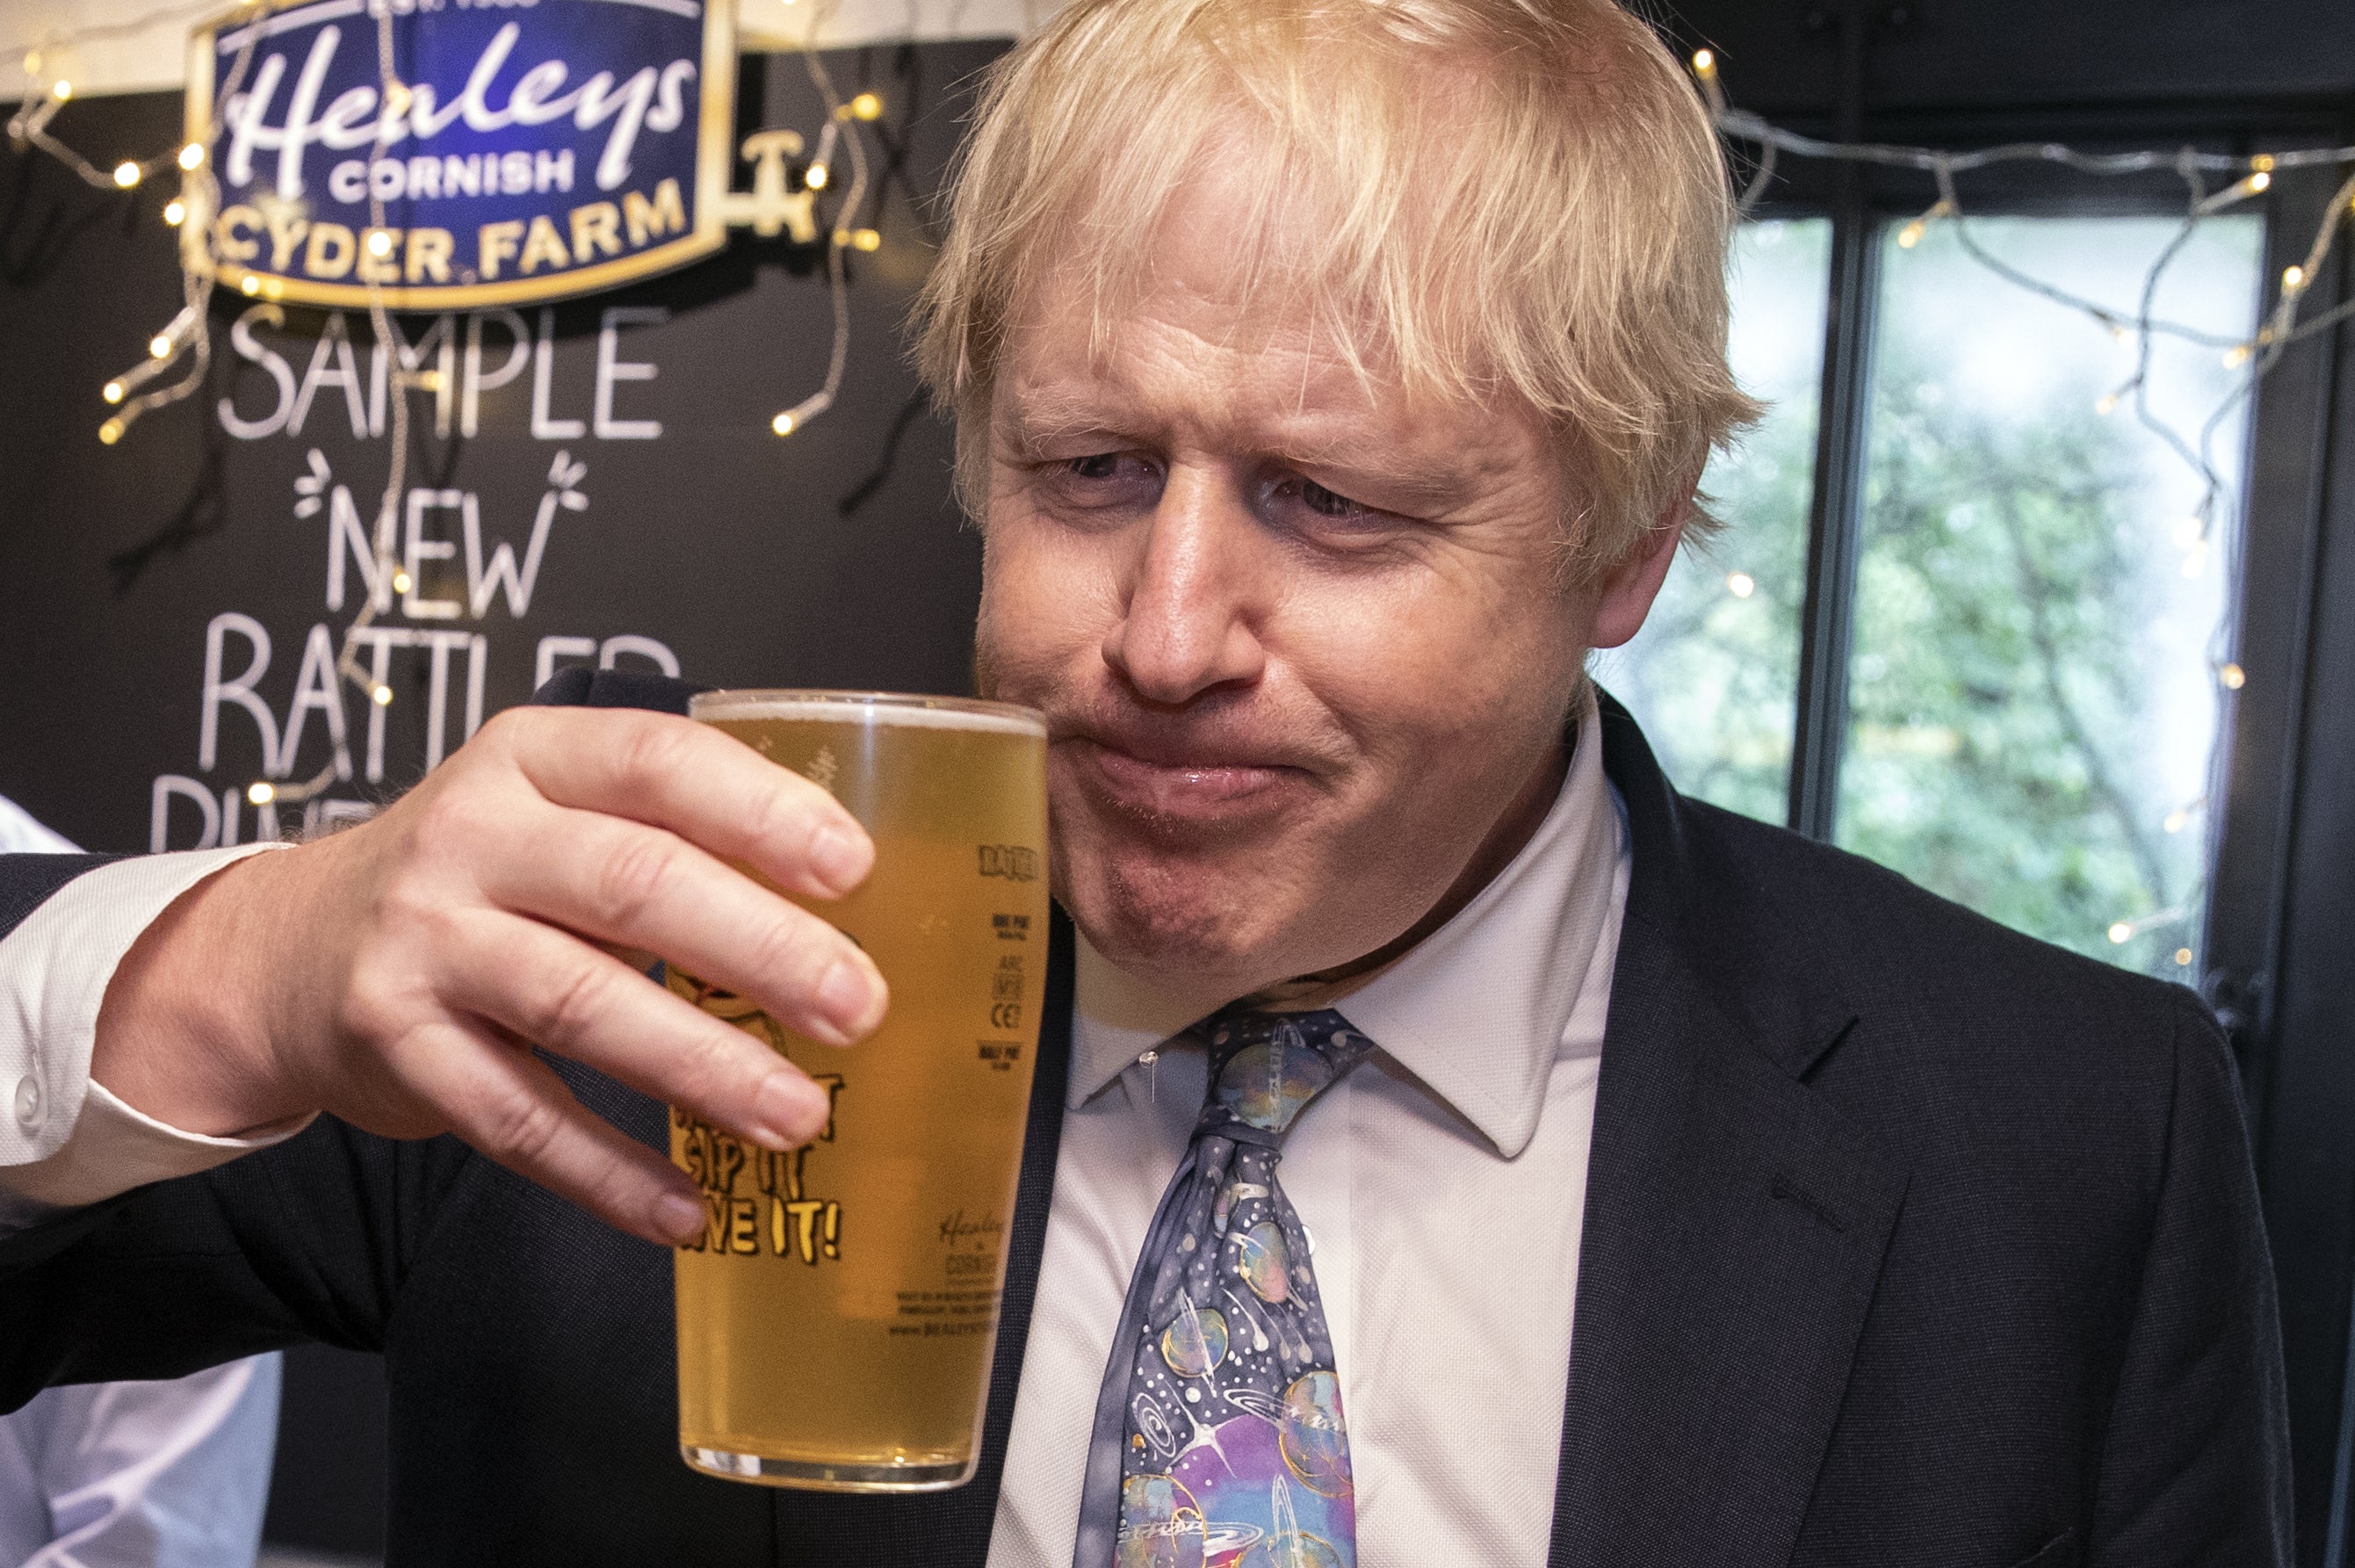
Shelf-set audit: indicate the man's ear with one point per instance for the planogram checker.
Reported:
(1625, 595)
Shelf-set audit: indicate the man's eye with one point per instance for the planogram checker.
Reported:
(1328, 503)
(1099, 466)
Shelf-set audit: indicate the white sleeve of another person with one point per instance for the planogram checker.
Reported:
(141, 1475)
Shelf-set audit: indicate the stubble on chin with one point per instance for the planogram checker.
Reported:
(1191, 921)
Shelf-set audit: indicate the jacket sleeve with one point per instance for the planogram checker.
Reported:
(309, 1240)
(2196, 1465)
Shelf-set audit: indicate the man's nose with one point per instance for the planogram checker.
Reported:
(1194, 595)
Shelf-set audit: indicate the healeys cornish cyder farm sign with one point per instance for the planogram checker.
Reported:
(531, 150)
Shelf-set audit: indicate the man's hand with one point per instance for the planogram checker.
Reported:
(397, 972)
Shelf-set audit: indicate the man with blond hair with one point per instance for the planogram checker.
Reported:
(1330, 377)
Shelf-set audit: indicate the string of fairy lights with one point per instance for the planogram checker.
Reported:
(2213, 183)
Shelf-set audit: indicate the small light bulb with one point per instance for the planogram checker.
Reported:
(2177, 820)
(110, 431)
(192, 154)
(402, 582)
(1704, 63)
(866, 240)
(126, 174)
(2260, 182)
(262, 791)
(2183, 957)
(2231, 676)
(2236, 356)
(1741, 584)
(176, 213)
(2121, 931)
(2107, 405)
(816, 178)
(33, 63)
(111, 391)
(1910, 234)
(867, 106)
(249, 284)
(160, 346)
(379, 244)
(2263, 163)
(381, 697)
(2292, 280)
(62, 90)
(782, 425)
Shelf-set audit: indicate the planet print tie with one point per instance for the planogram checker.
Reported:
(1218, 1440)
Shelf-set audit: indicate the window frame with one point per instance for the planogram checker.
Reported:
(2281, 900)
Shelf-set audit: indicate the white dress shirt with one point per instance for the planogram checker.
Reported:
(128, 1475)
(1443, 1185)
(141, 1475)
(66, 1140)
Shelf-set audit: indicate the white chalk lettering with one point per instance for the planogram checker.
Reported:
(519, 353)
(543, 373)
(318, 688)
(253, 351)
(239, 691)
(159, 813)
(611, 368)
(554, 648)
(419, 549)
(335, 343)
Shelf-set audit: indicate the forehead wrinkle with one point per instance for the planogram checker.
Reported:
(1183, 366)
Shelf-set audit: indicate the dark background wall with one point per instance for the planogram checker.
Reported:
(833, 558)
(1970, 57)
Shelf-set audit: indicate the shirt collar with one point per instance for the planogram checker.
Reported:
(1478, 1012)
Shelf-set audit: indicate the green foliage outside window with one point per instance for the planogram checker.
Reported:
(2031, 704)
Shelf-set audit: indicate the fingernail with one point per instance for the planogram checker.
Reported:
(788, 1111)
(851, 996)
(677, 1217)
(840, 857)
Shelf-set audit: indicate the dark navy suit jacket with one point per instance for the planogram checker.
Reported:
(1907, 1240)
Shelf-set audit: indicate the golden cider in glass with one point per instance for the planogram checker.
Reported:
(837, 1318)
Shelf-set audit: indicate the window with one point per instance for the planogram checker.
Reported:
(1714, 674)
(2039, 614)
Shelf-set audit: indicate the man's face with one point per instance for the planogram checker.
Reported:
(1303, 642)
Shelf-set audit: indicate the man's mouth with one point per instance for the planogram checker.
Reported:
(1172, 781)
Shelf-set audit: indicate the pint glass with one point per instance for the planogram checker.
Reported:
(837, 1316)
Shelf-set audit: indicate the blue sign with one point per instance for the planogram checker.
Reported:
(528, 150)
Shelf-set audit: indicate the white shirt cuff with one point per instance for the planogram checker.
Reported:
(64, 1140)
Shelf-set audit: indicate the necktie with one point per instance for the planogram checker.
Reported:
(1218, 1438)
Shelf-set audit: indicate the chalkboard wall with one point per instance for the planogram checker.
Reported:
(593, 483)
(135, 579)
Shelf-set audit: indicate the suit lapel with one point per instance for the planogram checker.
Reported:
(1734, 1230)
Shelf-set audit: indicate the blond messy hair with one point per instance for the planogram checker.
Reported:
(1508, 198)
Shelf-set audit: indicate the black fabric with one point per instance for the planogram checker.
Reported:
(1907, 1240)
(581, 686)
(27, 880)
